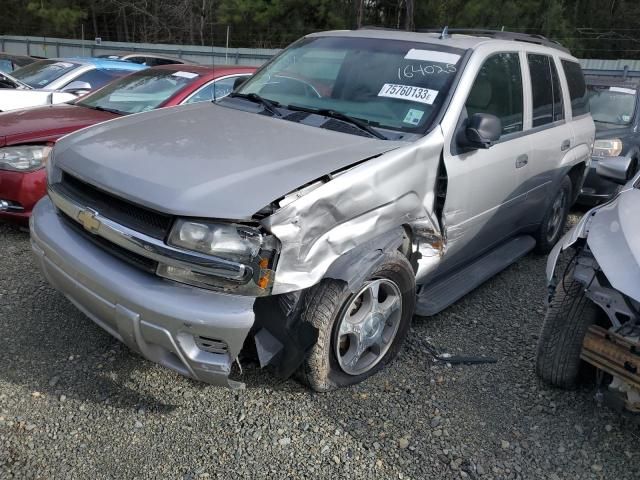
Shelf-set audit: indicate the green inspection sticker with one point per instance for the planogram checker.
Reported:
(413, 116)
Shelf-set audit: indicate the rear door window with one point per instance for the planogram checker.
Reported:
(545, 87)
(577, 88)
(497, 90)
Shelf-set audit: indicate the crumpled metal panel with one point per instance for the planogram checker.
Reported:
(614, 239)
(355, 206)
(612, 231)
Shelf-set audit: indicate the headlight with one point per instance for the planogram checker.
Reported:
(244, 245)
(25, 158)
(607, 148)
(232, 242)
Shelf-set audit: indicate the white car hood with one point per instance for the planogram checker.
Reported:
(12, 99)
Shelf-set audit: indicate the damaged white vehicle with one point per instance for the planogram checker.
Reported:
(594, 310)
(358, 178)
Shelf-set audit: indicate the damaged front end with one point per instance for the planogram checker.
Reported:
(339, 227)
(603, 257)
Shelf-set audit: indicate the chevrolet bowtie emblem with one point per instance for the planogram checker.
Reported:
(88, 220)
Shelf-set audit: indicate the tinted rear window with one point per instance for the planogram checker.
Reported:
(577, 88)
(547, 98)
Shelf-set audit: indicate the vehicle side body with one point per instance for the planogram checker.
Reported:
(597, 189)
(62, 89)
(331, 206)
(45, 125)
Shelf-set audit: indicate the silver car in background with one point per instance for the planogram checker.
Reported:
(356, 179)
(59, 80)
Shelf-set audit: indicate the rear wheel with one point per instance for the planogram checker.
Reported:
(358, 333)
(569, 316)
(555, 218)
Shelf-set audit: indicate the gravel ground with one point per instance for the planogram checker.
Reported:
(74, 403)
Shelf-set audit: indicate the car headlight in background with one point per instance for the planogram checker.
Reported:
(24, 158)
(252, 252)
(607, 148)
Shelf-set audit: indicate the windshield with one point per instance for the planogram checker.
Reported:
(42, 73)
(387, 83)
(614, 105)
(140, 92)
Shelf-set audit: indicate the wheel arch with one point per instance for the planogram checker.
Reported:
(577, 174)
(356, 265)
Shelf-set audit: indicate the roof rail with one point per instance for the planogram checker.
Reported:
(500, 35)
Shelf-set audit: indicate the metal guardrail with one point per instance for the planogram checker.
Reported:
(60, 47)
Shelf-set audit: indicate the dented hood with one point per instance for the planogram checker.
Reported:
(206, 160)
(614, 239)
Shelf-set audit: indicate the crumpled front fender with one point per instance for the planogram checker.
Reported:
(353, 208)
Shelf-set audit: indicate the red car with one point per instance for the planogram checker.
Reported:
(26, 136)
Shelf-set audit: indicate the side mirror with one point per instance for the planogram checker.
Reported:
(77, 88)
(616, 169)
(238, 82)
(482, 130)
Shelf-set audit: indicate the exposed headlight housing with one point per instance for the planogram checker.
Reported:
(24, 158)
(253, 252)
(607, 148)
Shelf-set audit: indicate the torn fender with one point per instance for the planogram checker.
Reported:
(579, 231)
(373, 198)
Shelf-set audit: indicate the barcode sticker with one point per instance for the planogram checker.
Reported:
(407, 92)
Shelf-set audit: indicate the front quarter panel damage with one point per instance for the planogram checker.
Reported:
(373, 198)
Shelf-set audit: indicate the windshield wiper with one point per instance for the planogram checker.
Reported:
(103, 109)
(269, 105)
(340, 116)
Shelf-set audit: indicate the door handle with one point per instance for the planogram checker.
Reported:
(522, 160)
(565, 145)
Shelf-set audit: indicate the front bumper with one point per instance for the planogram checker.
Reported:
(21, 190)
(596, 189)
(163, 321)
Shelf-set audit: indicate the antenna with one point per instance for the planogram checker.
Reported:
(445, 32)
(213, 55)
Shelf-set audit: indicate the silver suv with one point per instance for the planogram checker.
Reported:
(359, 178)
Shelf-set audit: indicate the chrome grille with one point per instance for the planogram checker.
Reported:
(141, 219)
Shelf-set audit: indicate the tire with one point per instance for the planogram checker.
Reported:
(326, 306)
(552, 227)
(569, 316)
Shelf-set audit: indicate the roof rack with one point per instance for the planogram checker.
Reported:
(498, 34)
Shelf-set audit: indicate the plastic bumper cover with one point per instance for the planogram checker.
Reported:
(162, 320)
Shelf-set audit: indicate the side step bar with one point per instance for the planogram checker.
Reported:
(435, 297)
(613, 354)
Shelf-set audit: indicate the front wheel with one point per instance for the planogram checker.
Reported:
(358, 333)
(555, 218)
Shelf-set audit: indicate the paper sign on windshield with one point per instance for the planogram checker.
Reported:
(407, 92)
(630, 91)
(432, 56)
(188, 75)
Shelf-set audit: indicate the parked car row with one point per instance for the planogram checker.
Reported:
(309, 212)
(27, 135)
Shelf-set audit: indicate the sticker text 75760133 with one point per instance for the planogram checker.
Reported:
(407, 92)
